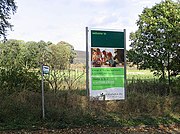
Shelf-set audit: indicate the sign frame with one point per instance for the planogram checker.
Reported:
(89, 40)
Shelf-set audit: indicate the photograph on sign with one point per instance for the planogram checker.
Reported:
(106, 65)
(106, 57)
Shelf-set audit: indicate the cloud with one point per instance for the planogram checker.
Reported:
(65, 20)
(102, 19)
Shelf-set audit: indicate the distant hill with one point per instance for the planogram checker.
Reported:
(80, 57)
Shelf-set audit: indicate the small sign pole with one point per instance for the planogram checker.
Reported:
(43, 111)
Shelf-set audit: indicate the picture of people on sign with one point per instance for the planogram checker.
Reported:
(107, 57)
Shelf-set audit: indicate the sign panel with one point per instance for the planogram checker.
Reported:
(45, 69)
(106, 65)
(107, 39)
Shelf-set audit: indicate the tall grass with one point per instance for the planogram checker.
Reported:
(73, 109)
(146, 103)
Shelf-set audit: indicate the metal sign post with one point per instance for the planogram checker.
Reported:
(42, 85)
(87, 63)
(44, 70)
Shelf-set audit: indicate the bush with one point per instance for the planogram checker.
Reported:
(20, 108)
(175, 86)
(18, 79)
(155, 87)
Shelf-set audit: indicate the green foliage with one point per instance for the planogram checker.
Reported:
(33, 54)
(71, 48)
(7, 7)
(14, 72)
(18, 79)
(176, 86)
(20, 65)
(11, 54)
(61, 55)
(62, 74)
(148, 86)
(155, 45)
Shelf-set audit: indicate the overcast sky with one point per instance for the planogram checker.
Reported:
(65, 20)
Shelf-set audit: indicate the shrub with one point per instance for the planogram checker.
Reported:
(18, 79)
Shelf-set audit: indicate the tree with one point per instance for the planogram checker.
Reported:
(132, 54)
(71, 48)
(60, 57)
(7, 7)
(156, 43)
(11, 54)
(15, 75)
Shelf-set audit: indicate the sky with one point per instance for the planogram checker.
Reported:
(65, 20)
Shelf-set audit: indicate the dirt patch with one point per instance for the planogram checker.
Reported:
(175, 129)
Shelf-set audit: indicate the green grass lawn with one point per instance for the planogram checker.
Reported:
(140, 74)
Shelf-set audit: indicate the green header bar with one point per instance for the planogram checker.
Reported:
(107, 39)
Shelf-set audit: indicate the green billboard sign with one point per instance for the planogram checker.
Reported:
(107, 64)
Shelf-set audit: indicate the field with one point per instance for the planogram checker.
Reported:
(133, 73)
(146, 107)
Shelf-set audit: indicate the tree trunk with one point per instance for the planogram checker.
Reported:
(163, 70)
(163, 73)
(168, 69)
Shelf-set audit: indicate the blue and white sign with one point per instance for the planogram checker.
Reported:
(45, 69)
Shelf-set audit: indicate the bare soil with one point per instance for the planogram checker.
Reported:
(161, 129)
